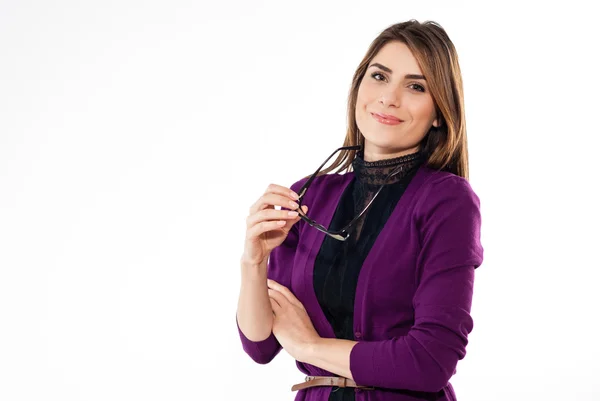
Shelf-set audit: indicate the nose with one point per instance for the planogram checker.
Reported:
(390, 98)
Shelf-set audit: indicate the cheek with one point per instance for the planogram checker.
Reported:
(360, 101)
(423, 110)
(361, 104)
(365, 95)
(363, 100)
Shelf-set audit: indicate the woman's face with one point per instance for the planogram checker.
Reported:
(393, 85)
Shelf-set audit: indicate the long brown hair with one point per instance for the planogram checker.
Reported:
(446, 146)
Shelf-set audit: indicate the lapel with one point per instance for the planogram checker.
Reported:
(325, 202)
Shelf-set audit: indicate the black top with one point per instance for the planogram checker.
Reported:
(338, 263)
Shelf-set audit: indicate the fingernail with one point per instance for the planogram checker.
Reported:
(294, 195)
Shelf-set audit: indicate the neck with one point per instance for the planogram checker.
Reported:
(373, 154)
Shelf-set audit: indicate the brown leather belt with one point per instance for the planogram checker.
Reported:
(312, 381)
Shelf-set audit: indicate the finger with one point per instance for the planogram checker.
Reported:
(302, 211)
(274, 189)
(274, 306)
(278, 297)
(270, 214)
(270, 200)
(279, 189)
(274, 302)
(264, 227)
(285, 292)
(288, 225)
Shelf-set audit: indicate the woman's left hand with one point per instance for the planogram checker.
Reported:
(291, 325)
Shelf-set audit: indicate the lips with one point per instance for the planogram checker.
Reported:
(386, 119)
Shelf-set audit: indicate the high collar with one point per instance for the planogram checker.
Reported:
(376, 172)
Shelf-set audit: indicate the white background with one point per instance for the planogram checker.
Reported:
(135, 135)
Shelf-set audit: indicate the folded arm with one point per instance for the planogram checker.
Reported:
(426, 357)
(254, 290)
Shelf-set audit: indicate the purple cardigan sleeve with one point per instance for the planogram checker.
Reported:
(279, 268)
(448, 220)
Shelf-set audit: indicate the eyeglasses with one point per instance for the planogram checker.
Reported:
(344, 233)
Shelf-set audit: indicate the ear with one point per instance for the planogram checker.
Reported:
(437, 122)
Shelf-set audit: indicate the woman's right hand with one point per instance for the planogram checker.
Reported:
(266, 227)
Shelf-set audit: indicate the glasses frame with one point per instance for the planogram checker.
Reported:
(344, 233)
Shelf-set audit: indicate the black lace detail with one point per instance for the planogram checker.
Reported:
(375, 173)
(370, 176)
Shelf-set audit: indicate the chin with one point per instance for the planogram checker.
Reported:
(389, 146)
(383, 139)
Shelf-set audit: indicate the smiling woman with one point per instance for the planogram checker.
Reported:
(394, 94)
(367, 278)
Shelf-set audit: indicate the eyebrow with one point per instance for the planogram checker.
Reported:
(407, 76)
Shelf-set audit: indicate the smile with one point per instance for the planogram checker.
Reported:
(385, 120)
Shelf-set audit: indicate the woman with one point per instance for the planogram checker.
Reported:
(370, 271)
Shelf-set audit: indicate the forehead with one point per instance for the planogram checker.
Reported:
(398, 57)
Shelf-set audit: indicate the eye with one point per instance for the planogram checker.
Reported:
(417, 87)
(373, 75)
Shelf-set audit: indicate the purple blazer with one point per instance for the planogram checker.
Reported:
(414, 291)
